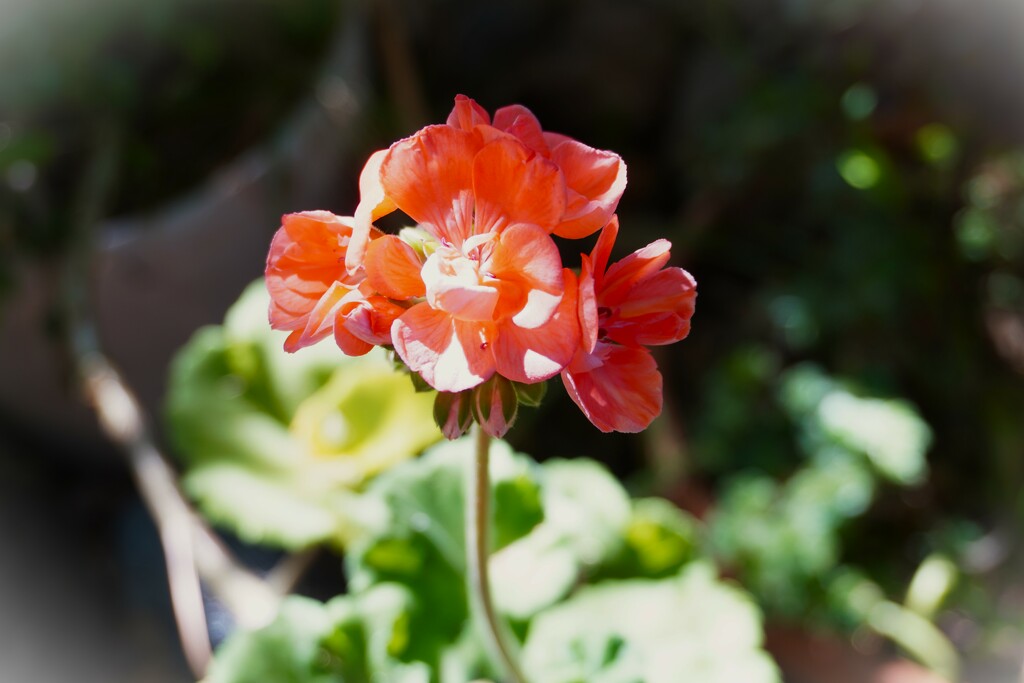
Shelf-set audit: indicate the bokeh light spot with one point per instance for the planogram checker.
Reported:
(936, 143)
(859, 101)
(859, 169)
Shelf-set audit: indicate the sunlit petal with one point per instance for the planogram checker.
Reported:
(393, 268)
(513, 184)
(373, 204)
(467, 114)
(532, 355)
(450, 356)
(623, 394)
(429, 176)
(595, 180)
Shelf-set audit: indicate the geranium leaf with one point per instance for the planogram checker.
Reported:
(689, 627)
(275, 445)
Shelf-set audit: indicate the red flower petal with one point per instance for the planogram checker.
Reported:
(623, 394)
(622, 276)
(512, 185)
(587, 306)
(367, 319)
(596, 180)
(350, 344)
(393, 268)
(429, 176)
(520, 122)
(671, 289)
(306, 258)
(527, 253)
(453, 285)
(467, 114)
(373, 204)
(533, 355)
(319, 323)
(449, 355)
(602, 251)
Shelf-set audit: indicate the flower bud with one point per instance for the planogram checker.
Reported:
(531, 394)
(495, 405)
(452, 413)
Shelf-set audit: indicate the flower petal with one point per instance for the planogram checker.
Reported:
(393, 268)
(319, 323)
(520, 122)
(657, 310)
(449, 355)
(368, 319)
(467, 114)
(602, 251)
(304, 261)
(526, 262)
(513, 184)
(532, 355)
(596, 180)
(429, 176)
(453, 285)
(528, 254)
(373, 203)
(671, 289)
(622, 276)
(653, 329)
(537, 310)
(623, 394)
(350, 344)
(587, 308)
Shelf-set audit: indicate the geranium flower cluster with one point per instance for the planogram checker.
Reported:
(475, 299)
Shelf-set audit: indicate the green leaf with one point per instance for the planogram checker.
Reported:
(552, 526)
(258, 508)
(289, 649)
(889, 432)
(275, 445)
(348, 640)
(586, 516)
(420, 545)
(659, 540)
(689, 627)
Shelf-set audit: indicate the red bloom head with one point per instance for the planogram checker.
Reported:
(634, 303)
(475, 300)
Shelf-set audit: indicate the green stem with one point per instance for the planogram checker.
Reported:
(478, 518)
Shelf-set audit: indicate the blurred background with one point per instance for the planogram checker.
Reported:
(845, 180)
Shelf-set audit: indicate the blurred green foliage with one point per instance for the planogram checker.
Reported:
(602, 588)
(785, 537)
(276, 445)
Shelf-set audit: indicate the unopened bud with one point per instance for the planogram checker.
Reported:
(495, 405)
(531, 394)
(452, 413)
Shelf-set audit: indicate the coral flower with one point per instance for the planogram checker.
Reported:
(632, 304)
(493, 290)
(475, 298)
(312, 293)
(594, 179)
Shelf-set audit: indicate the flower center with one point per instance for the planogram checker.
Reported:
(455, 283)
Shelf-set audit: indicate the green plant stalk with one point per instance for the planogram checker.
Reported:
(478, 517)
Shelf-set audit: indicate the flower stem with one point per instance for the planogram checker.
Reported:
(478, 517)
